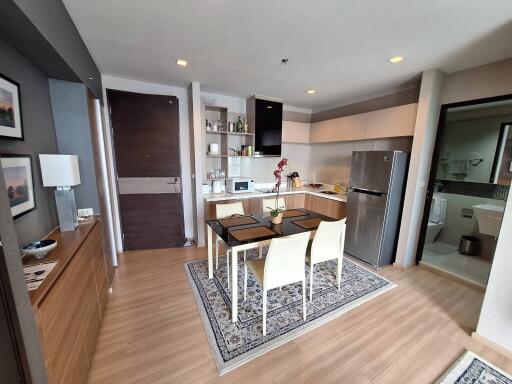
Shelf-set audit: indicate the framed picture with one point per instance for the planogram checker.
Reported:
(19, 183)
(10, 109)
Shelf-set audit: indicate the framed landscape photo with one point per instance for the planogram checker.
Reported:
(19, 183)
(10, 109)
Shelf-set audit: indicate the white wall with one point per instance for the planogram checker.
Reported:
(110, 82)
(496, 316)
(468, 140)
(331, 161)
(476, 83)
(429, 104)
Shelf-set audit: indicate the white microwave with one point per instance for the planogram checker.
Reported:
(239, 185)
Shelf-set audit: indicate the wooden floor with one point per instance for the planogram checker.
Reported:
(152, 332)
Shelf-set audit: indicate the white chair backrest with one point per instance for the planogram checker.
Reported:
(270, 204)
(329, 241)
(226, 210)
(286, 259)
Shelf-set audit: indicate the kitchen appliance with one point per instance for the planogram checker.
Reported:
(217, 186)
(374, 202)
(239, 185)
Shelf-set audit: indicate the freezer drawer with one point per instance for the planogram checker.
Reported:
(365, 225)
(371, 170)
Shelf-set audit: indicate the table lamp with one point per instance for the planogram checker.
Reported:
(62, 171)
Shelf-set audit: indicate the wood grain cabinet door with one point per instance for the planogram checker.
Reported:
(147, 152)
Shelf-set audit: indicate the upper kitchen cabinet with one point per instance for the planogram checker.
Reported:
(265, 119)
(391, 122)
(295, 132)
(346, 128)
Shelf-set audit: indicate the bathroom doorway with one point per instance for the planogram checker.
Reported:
(469, 183)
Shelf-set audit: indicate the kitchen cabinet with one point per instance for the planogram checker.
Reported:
(328, 207)
(384, 123)
(323, 205)
(69, 304)
(295, 132)
(346, 128)
(391, 122)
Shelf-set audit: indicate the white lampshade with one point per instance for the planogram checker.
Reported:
(59, 170)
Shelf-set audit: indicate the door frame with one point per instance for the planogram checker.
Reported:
(441, 125)
(114, 160)
(9, 308)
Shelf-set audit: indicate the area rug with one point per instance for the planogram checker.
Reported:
(233, 344)
(472, 369)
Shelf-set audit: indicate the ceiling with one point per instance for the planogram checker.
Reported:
(339, 48)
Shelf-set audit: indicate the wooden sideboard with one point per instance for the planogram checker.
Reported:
(69, 304)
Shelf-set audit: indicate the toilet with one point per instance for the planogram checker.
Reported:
(436, 218)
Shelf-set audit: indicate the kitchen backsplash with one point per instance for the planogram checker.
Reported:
(328, 163)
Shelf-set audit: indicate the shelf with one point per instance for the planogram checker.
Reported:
(252, 157)
(230, 133)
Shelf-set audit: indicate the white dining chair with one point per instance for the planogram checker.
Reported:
(283, 265)
(268, 205)
(223, 211)
(328, 244)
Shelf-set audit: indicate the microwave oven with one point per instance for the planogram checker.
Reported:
(239, 185)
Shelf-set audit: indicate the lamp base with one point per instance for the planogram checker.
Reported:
(66, 209)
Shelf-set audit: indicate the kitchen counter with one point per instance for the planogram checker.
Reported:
(249, 195)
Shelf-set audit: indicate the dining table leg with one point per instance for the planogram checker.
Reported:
(210, 251)
(234, 284)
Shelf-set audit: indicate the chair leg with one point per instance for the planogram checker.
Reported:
(217, 252)
(245, 282)
(227, 266)
(261, 252)
(304, 298)
(340, 265)
(264, 312)
(245, 255)
(311, 268)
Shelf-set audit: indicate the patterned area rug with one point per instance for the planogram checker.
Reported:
(472, 369)
(233, 344)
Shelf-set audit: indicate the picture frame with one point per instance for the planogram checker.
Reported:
(11, 124)
(19, 182)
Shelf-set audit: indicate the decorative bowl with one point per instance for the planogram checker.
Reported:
(39, 248)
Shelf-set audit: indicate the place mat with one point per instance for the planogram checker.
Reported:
(308, 223)
(293, 213)
(252, 233)
(237, 220)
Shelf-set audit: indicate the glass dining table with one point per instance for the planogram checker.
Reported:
(240, 233)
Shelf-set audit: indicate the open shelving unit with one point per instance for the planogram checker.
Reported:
(223, 138)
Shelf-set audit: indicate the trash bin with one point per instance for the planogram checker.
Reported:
(469, 245)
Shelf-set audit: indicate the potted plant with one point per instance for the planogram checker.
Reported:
(276, 212)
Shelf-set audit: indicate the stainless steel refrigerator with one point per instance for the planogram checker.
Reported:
(374, 202)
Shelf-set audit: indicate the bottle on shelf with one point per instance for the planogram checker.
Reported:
(239, 125)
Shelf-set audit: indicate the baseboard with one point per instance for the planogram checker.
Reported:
(454, 277)
(491, 344)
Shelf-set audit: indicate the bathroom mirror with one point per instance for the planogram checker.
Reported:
(476, 143)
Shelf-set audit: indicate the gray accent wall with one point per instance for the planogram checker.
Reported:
(39, 137)
(72, 128)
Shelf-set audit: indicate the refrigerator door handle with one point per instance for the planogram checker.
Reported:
(367, 191)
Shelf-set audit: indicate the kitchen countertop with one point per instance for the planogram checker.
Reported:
(212, 197)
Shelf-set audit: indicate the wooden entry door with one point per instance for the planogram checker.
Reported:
(147, 152)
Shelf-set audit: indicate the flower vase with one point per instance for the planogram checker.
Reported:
(277, 219)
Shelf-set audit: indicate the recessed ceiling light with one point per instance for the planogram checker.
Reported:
(396, 59)
(90, 78)
(181, 62)
(311, 92)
